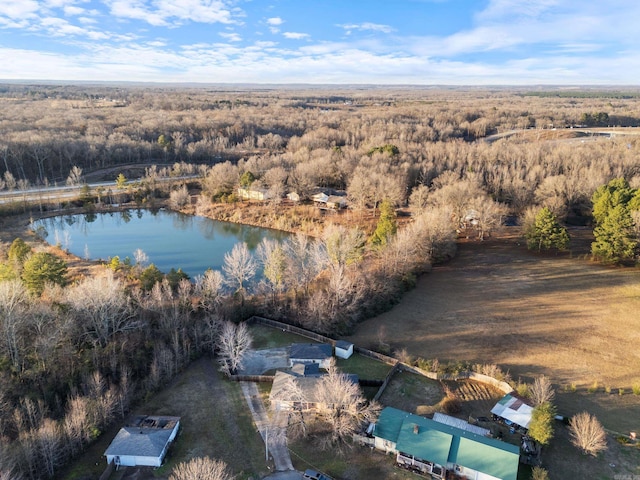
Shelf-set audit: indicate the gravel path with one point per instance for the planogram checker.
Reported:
(273, 435)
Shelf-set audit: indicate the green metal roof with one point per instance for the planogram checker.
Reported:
(499, 460)
(389, 423)
(419, 440)
(442, 444)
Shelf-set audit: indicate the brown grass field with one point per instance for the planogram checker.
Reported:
(563, 316)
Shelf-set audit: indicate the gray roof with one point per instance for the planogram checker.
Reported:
(307, 386)
(142, 442)
(306, 369)
(310, 351)
(343, 344)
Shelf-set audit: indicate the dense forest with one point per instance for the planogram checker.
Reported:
(76, 350)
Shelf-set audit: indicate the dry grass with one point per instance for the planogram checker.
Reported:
(215, 421)
(567, 318)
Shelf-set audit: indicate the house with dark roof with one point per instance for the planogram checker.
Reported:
(144, 442)
(436, 448)
(319, 353)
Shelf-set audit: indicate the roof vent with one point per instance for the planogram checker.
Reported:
(416, 428)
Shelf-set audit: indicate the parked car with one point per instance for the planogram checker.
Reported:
(313, 475)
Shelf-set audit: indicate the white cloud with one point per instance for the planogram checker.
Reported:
(274, 24)
(374, 27)
(263, 62)
(232, 37)
(168, 12)
(275, 21)
(72, 10)
(295, 35)
(19, 10)
(58, 27)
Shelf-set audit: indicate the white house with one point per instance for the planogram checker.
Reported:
(254, 193)
(144, 442)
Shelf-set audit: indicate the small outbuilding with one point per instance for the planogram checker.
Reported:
(344, 349)
(513, 410)
(144, 442)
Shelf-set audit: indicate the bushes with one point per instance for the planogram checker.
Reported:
(42, 268)
(541, 426)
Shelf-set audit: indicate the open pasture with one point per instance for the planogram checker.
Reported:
(496, 302)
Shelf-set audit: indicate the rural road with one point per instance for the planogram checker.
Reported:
(274, 436)
(66, 192)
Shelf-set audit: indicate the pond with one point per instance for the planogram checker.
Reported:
(169, 239)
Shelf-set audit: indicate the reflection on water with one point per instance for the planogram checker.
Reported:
(170, 239)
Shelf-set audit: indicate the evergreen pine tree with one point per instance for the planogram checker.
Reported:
(546, 233)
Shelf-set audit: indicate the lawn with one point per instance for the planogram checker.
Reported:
(269, 337)
(366, 368)
(566, 317)
(215, 422)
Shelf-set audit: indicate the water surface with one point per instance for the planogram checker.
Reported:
(170, 239)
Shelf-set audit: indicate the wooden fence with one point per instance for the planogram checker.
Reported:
(397, 364)
(252, 378)
(107, 471)
(396, 368)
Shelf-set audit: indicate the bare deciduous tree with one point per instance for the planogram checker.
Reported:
(274, 262)
(179, 198)
(201, 468)
(341, 405)
(14, 300)
(76, 425)
(239, 267)
(233, 343)
(587, 433)
(75, 176)
(344, 245)
(49, 441)
(102, 307)
(541, 391)
(208, 288)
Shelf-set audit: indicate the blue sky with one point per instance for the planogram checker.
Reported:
(450, 42)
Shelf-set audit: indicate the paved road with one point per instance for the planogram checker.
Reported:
(274, 436)
(48, 194)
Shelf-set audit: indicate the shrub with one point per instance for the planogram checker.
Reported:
(541, 425)
(607, 389)
(593, 388)
(539, 473)
(42, 268)
(150, 276)
(179, 198)
(621, 391)
(636, 389)
(522, 388)
(18, 251)
(587, 434)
